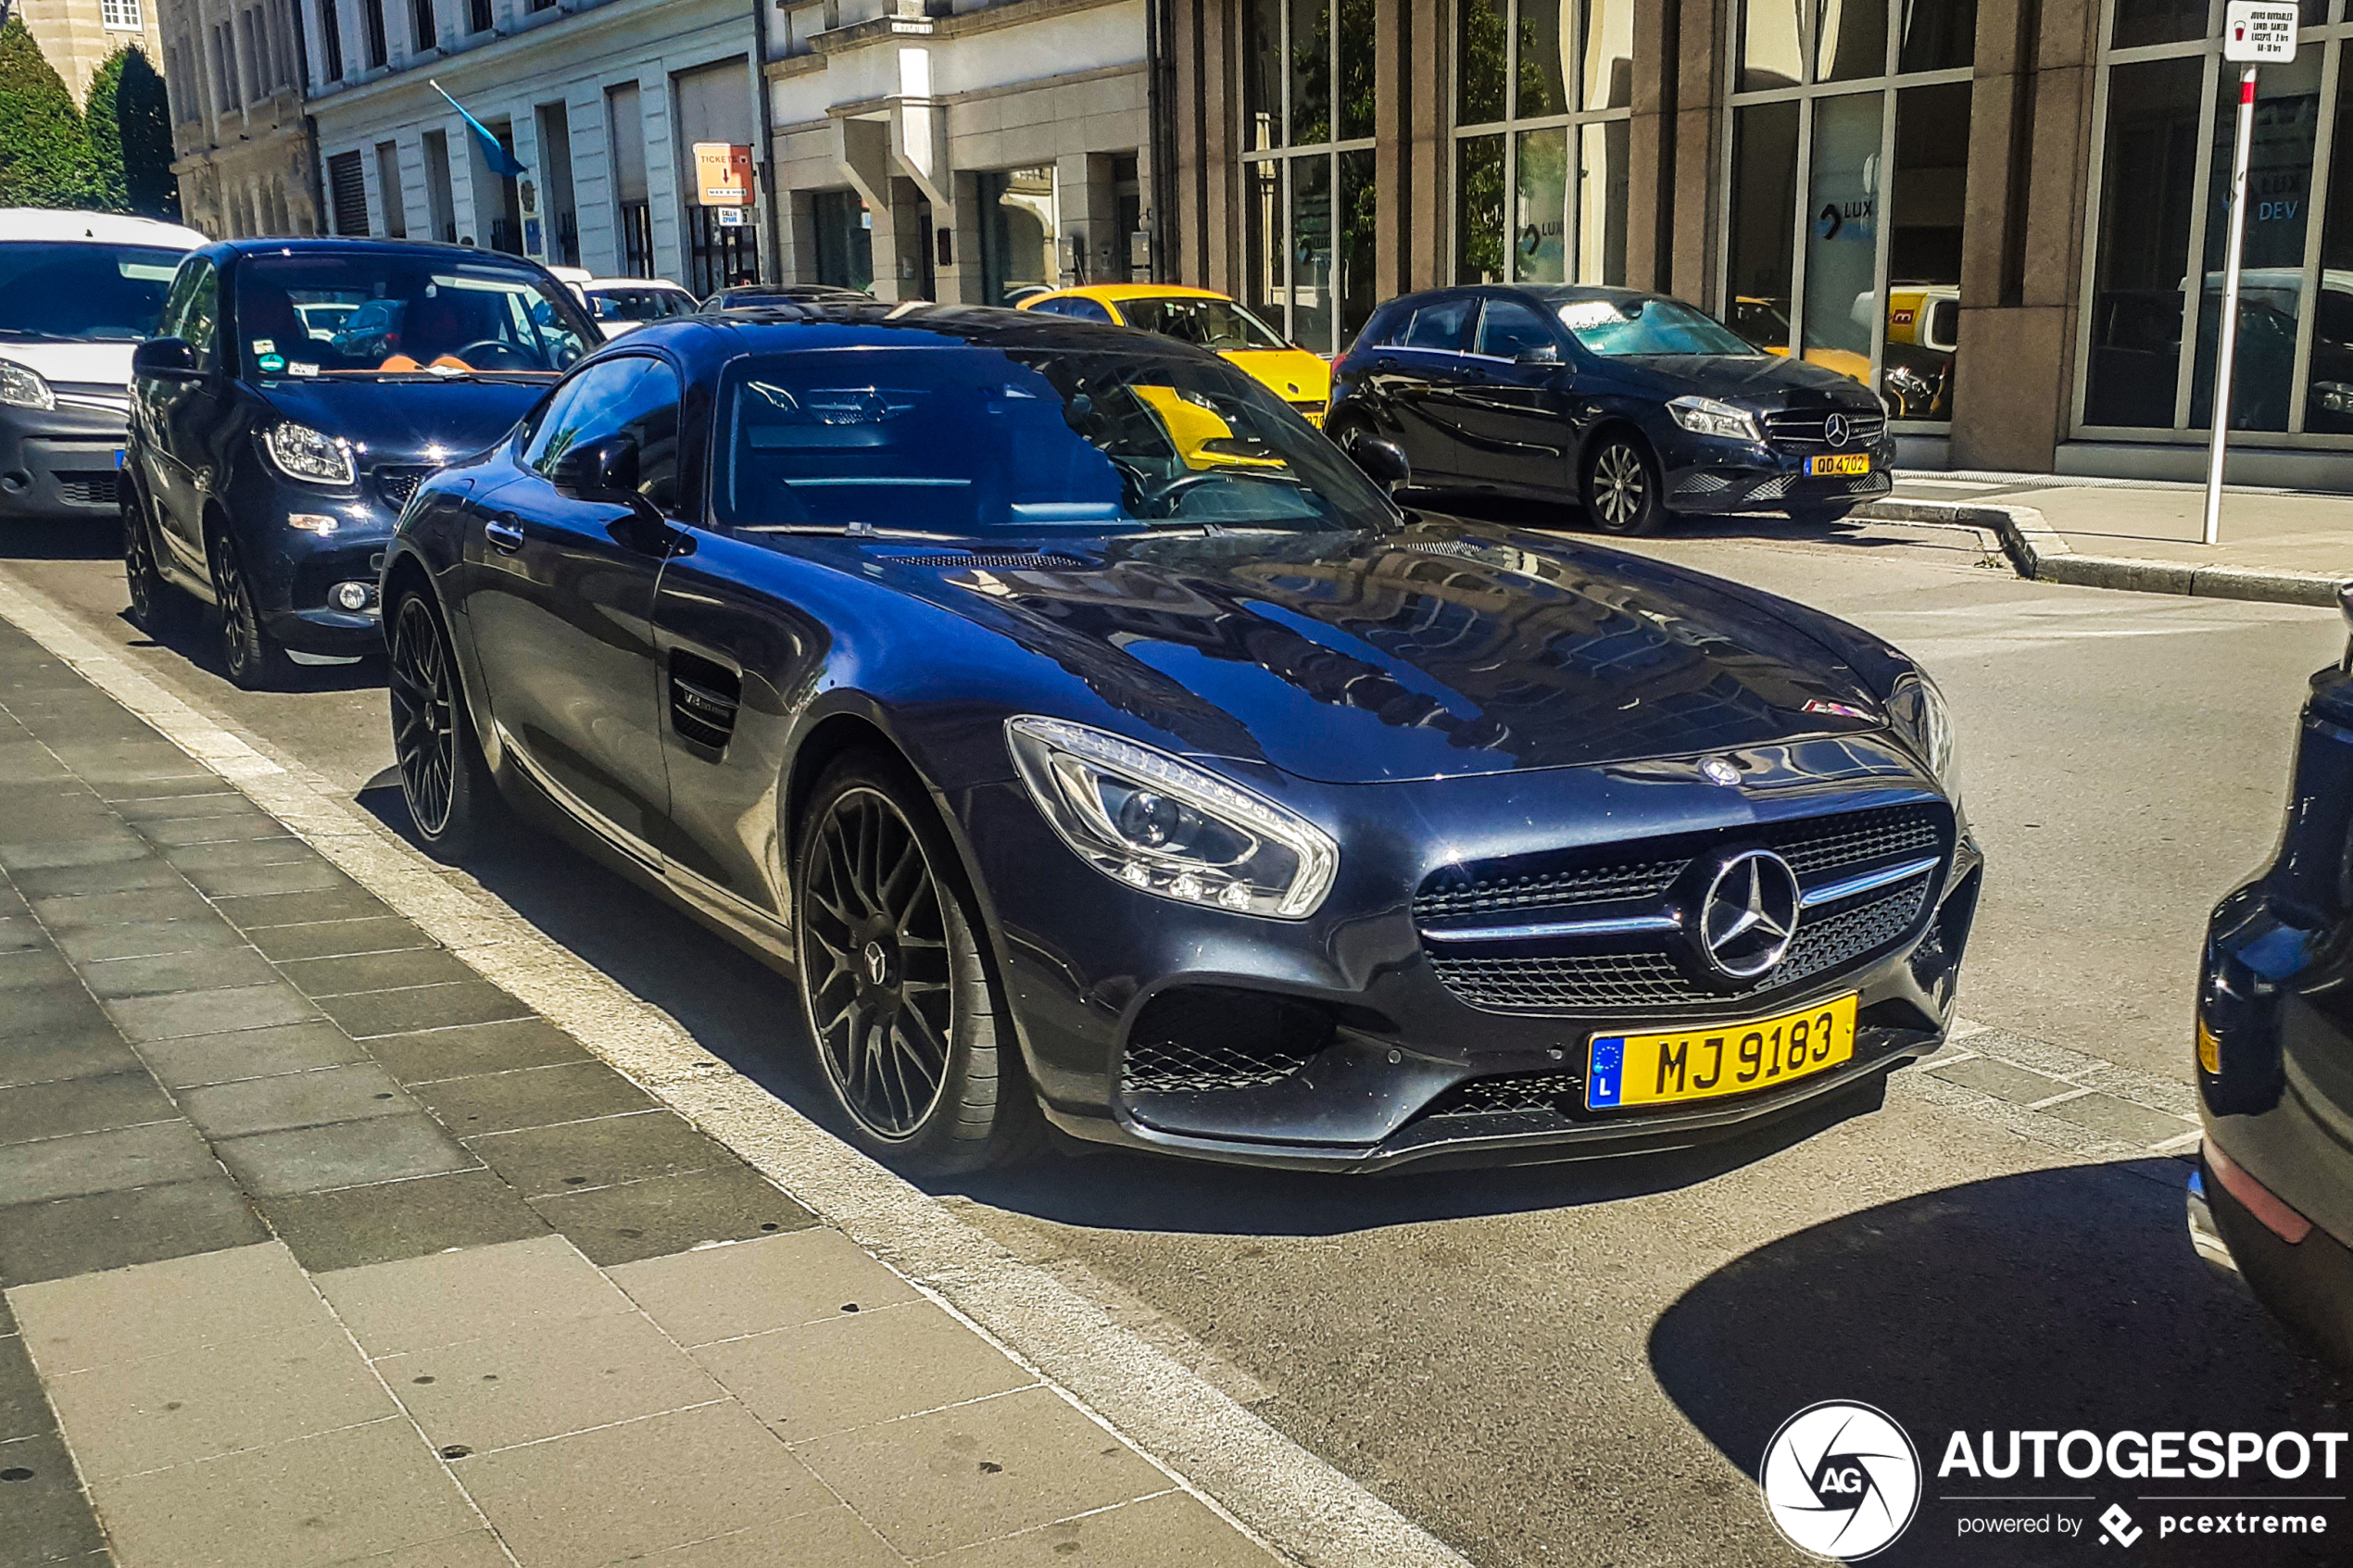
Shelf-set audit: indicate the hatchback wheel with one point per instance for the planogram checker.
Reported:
(1621, 492)
(157, 607)
(899, 1001)
(253, 658)
(444, 777)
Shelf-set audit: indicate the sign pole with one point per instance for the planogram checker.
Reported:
(2226, 351)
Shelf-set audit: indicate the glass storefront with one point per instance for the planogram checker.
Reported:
(2169, 107)
(1849, 181)
(1307, 169)
(1018, 225)
(1539, 83)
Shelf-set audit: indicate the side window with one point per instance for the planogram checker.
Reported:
(650, 413)
(635, 396)
(200, 316)
(580, 411)
(1508, 328)
(1443, 325)
(175, 304)
(1086, 310)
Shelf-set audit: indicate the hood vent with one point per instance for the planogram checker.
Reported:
(704, 697)
(998, 560)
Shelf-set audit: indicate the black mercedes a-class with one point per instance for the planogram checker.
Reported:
(1081, 731)
(1635, 406)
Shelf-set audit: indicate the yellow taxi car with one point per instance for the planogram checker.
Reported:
(1214, 322)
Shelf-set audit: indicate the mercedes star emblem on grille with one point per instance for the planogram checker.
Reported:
(1834, 430)
(1715, 770)
(1748, 915)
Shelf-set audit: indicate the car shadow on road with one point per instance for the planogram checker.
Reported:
(198, 640)
(2057, 1300)
(93, 539)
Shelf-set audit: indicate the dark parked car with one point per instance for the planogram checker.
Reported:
(1080, 727)
(1636, 405)
(2273, 1195)
(751, 297)
(273, 442)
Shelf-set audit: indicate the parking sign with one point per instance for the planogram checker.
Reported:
(2256, 32)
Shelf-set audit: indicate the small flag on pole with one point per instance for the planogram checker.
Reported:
(494, 153)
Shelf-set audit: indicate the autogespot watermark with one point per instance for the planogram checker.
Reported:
(1842, 1481)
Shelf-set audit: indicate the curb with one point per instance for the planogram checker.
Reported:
(2041, 553)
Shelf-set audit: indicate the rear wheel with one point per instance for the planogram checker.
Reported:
(254, 660)
(157, 607)
(906, 1019)
(447, 783)
(1621, 492)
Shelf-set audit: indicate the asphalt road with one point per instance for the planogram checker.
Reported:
(1575, 1364)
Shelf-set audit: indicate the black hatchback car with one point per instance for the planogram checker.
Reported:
(297, 393)
(2273, 1195)
(1636, 405)
(1081, 728)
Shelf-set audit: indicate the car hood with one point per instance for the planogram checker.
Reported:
(1441, 649)
(95, 364)
(1765, 380)
(434, 421)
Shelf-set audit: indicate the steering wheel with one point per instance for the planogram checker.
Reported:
(1169, 495)
(486, 353)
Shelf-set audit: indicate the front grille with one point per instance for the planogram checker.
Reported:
(1520, 1092)
(1204, 1038)
(396, 485)
(88, 487)
(1803, 428)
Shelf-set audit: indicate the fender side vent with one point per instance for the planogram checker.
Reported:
(704, 697)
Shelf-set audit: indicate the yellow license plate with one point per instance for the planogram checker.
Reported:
(1852, 462)
(1732, 1059)
(1314, 417)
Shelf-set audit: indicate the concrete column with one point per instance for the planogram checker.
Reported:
(863, 153)
(797, 221)
(1685, 262)
(1650, 146)
(592, 200)
(1429, 153)
(1393, 162)
(1221, 45)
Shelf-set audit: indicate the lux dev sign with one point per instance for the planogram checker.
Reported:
(2254, 33)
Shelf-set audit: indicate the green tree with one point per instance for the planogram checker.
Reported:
(129, 128)
(45, 159)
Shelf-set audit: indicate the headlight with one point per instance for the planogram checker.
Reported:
(1705, 416)
(1168, 828)
(21, 387)
(1920, 712)
(309, 456)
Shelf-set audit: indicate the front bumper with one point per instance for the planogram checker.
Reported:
(1371, 1060)
(1715, 477)
(295, 573)
(60, 464)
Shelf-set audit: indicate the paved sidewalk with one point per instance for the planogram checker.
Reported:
(317, 1247)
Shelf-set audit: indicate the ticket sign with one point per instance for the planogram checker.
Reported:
(722, 172)
(2255, 32)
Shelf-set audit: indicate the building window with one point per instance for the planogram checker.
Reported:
(1848, 183)
(1543, 100)
(2170, 108)
(1018, 229)
(331, 35)
(421, 24)
(1307, 167)
(347, 193)
(478, 15)
(372, 31)
(844, 239)
(119, 16)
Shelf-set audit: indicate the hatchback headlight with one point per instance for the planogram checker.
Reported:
(1920, 714)
(21, 387)
(1167, 828)
(309, 456)
(1705, 416)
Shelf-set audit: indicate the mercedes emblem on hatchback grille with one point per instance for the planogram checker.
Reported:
(1717, 771)
(1746, 919)
(1834, 430)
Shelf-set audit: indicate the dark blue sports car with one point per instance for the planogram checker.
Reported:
(1083, 732)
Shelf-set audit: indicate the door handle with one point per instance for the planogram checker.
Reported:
(503, 534)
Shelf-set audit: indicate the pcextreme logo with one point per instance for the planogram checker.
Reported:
(1842, 1481)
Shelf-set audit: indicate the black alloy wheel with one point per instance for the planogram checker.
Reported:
(255, 660)
(452, 802)
(157, 607)
(1621, 490)
(899, 997)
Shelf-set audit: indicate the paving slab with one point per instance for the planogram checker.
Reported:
(339, 938)
(81, 1105)
(294, 1099)
(859, 1368)
(532, 1097)
(715, 1293)
(195, 1060)
(355, 1226)
(383, 1149)
(117, 1230)
(545, 1161)
(419, 1303)
(650, 1219)
(107, 1161)
(545, 1381)
(48, 1517)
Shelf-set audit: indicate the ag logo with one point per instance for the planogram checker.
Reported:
(1842, 1481)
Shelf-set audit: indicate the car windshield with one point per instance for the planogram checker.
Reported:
(972, 441)
(1624, 328)
(81, 291)
(641, 305)
(1218, 325)
(339, 313)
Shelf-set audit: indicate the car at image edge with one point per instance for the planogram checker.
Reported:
(1221, 810)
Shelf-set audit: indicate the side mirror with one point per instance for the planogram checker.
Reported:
(602, 470)
(1542, 353)
(164, 359)
(1383, 461)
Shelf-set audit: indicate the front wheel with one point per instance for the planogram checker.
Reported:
(452, 801)
(254, 660)
(899, 999)
(1621, 492)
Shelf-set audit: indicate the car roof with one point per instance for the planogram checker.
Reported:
(816, 325)
(635, 283)
(103, 228)
(330, 244)
(1112, 293)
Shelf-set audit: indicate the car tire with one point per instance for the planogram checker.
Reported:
(1621, 490)
(903, 1012)
(253, 658)
(157, 606)
(453, 802)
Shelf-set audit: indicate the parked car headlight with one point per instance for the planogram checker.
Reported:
(1168, 828)
(310, 456)
(1705, 416)
(1920, 713)
(21, 387)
